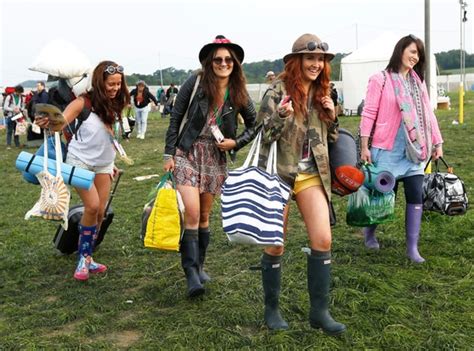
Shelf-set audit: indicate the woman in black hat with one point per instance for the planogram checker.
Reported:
(298, 112)
(196, 144)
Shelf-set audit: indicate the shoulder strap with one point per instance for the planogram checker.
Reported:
(380, 98)
(185, 117)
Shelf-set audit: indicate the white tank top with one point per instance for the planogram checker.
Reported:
(93, 144)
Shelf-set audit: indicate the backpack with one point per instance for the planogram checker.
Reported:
(60, 96)
(444, 192)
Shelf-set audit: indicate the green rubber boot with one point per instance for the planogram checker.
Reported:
(319, 279)
(271, 277)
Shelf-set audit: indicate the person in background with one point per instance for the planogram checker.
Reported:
(298, 113)
(197, 154)
(94, 150)
(159, 92)
(141, 98)
(405, 131)
(40, 96)
(12, 106)
(270, 77)
(171, 93)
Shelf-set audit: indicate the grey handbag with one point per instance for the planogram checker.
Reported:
(444, 192)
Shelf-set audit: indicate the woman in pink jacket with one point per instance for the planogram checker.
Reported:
(405, 131)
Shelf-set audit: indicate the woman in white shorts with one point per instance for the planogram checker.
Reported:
(92, 148)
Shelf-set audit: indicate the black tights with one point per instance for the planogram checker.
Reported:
(413, 189)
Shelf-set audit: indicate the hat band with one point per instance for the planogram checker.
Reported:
(312, 46)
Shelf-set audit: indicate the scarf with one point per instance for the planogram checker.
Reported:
(415, 110)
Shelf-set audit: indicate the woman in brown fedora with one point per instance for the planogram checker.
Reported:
(196, 146)
(298, 112)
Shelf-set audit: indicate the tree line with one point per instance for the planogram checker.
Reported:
(255, 71)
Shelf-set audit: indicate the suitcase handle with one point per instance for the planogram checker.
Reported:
(112, 194)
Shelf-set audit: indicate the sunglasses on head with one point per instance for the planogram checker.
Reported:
(312, 45)
(219, 60)
(113, 69)
(412, 37)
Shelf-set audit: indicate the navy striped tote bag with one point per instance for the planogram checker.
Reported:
(253, 200)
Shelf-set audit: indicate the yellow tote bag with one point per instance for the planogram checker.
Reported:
(164, 229)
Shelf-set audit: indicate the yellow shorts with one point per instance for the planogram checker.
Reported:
(304, 181)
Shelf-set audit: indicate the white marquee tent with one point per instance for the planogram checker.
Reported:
(357, 68)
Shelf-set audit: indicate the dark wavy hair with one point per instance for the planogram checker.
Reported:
(237, 89)
(292, 76)
(102, 105)
(395, 62)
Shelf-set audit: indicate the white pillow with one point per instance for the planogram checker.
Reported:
(61, 59)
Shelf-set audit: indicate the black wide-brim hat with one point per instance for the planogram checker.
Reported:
(223, 42)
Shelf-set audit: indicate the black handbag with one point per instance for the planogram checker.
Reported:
(444, 193)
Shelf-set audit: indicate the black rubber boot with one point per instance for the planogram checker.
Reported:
(204, 237)
(271, 278)
(319, 280)
(190, 262)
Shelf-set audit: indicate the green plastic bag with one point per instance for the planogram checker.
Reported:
(366, 207)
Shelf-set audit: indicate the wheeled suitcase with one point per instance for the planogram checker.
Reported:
(66, 241)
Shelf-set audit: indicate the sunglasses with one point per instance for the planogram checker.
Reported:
(413, 37)
(312, 45)
(219, 60)
(113, 69)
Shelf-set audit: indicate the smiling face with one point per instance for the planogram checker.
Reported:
(312, 65)
(113, 82)
(222, 63)
(410, 57)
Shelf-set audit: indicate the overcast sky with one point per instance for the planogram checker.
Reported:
(144, 34)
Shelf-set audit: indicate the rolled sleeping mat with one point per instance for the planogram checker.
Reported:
(378, 179)
(31, 178)
(344, 151)
(75, 176)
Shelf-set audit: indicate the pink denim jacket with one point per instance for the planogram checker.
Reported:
(381, 108)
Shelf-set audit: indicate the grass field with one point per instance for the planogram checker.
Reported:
(140, 303)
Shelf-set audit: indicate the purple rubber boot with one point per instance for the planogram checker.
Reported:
(369, 237)
(413, 214)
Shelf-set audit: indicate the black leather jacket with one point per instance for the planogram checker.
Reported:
(197, 117)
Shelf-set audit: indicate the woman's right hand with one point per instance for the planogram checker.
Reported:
(365, 155)
(41, 121)
(168, 165)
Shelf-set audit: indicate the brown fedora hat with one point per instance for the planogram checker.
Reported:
(309, 44)
(221, 41)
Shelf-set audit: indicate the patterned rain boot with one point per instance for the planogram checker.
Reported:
(86, 235)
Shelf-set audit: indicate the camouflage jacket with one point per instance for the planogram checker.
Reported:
(290, 133)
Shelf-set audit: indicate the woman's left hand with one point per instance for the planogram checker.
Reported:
(437, 152)
(226, 144)
(328, 106)
(115, 172)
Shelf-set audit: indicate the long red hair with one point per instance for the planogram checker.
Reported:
(293, 75)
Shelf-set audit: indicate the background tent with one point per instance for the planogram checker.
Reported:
(357, 67)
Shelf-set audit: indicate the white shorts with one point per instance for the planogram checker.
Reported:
(74, 161)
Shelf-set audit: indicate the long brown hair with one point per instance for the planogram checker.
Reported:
(395, 62)
(292, 76)
(102, 105)
(237, 89)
